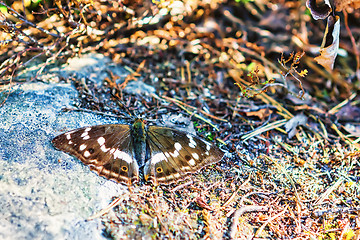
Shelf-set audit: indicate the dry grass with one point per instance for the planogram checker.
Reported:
(245, 73)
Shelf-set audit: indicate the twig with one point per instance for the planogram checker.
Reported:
(342, 104)
(323, 196)
(344, 138)
(356, 51)
(17, 15)
(232, 197)
(258, 232)
(240, 212)
(181, 186)
(106, 209)
(288, 177)
(264, 129)
(183, 105)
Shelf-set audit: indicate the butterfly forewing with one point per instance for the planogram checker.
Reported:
(175, 154)
(106, 148)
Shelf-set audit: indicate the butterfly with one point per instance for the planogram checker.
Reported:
(131, 153)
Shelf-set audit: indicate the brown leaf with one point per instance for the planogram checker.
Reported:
(261, 113)
(340, 4)
(330, 45)
(322, 9)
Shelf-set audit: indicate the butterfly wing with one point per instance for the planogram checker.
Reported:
(176, 154)
(107, 149)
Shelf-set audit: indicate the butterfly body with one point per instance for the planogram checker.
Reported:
(138, 135)
(129, 153)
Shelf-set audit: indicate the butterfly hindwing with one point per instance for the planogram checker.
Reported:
(176, 154)
(107, 149)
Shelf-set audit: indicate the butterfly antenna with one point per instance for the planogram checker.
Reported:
(89, 111)
(122, 104)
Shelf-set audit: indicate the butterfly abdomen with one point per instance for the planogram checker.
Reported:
(138, 133)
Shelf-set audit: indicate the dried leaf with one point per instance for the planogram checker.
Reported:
(261, 113)
(330, 45)
(349, 113)
(323, 9)
(291, 125)
(340, 4)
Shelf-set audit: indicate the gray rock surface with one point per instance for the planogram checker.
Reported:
(45, 193)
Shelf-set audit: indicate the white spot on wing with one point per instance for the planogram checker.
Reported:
(82, 147)
(70, 142)
(185, 168)
(175, 153)
(87, 154)
(192, 162)
(106, 172)
(158, 158)
(84, 134)
(94, 161)
(208, 146)
(104, 149)
(123, 156)
(101, 141)
(195, 155)
(192, 143)
(170, 177)
(68, 136)
(176, 175)
(87, 129)
(177, 146)
(86, 137)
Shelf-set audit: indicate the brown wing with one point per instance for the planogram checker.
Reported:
(107, 149)
(176, 154)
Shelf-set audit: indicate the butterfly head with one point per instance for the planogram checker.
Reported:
(139, 130)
